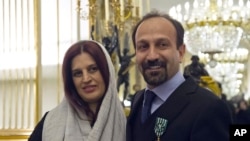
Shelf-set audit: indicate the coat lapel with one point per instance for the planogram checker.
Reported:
(178, 100)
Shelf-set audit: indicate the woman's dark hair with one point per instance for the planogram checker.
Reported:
(98, 55)
(178, 27)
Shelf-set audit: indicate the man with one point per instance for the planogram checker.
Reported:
(181, 110)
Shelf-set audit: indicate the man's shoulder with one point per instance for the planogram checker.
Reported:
(138, 94)
(198, 90)
(206, 99)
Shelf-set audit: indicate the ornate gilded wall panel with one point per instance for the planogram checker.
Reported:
(111, 23)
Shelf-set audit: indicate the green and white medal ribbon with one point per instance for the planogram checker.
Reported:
(160, 127)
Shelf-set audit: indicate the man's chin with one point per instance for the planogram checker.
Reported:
(154, 80)
(154, 83)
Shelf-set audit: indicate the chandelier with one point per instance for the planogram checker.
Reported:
(213, 26)
(237, 55)
(230, 69)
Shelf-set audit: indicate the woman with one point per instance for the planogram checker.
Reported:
(91, 110)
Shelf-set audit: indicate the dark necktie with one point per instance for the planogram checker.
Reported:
(149, 97)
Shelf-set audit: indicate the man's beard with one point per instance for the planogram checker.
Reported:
(157, 77)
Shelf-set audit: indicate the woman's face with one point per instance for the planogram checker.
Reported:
(87, 78)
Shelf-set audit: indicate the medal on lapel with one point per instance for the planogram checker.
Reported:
(160, 127)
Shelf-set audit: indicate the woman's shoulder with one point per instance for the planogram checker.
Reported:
(36, 135)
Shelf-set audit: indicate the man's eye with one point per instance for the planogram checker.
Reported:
(77, 74)
(141, 46)
(163, 45)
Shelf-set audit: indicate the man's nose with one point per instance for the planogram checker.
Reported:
(153, 53)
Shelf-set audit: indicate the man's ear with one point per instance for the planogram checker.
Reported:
(182, 51)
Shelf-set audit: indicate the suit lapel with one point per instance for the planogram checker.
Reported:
(177, 101)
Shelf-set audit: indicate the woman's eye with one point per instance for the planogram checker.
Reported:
(77, 74)
(93, 69)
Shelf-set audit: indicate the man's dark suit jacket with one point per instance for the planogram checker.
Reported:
(193, 114)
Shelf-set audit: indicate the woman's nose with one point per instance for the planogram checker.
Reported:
(86, 77)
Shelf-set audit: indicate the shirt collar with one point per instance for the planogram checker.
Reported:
(164, 90)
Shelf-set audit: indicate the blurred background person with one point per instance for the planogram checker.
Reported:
(242, 112)
(229, 103)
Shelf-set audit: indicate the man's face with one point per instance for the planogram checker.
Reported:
(157, 56)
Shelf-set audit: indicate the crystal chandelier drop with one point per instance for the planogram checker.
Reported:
(213, 26)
